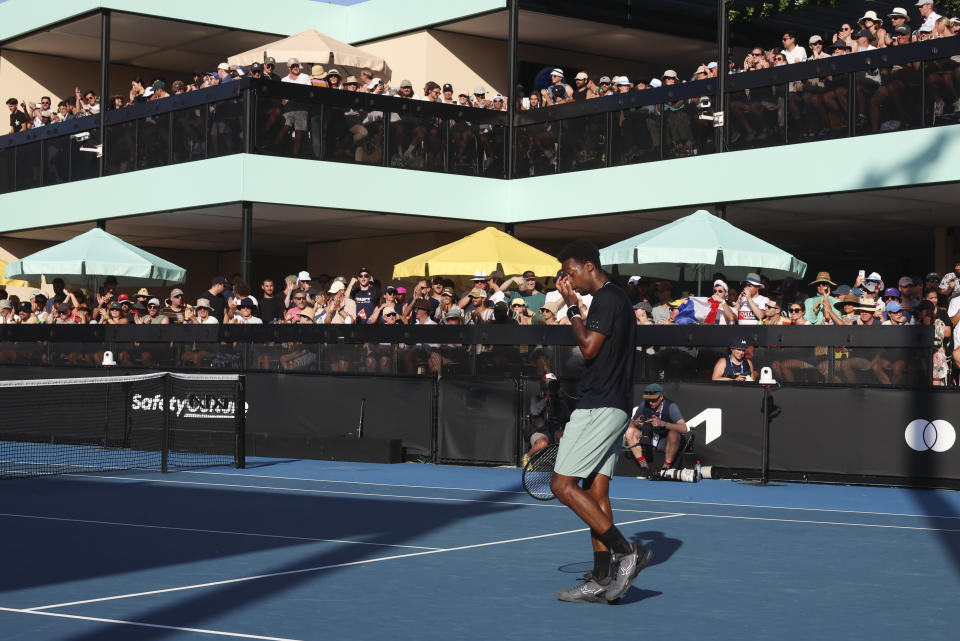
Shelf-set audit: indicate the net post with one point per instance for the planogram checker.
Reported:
(165, 433)
(240, 451)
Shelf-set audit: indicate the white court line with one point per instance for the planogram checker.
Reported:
(612, 498)
(335, 565)
(203, 531)
(521, 503)
(147, 625)
(761, 518)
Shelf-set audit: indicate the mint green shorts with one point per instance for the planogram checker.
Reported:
(591, 442)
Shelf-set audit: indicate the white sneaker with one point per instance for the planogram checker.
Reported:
(937, 108)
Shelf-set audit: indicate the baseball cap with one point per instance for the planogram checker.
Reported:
(401, 290)
(517, 301)
(336, 286)
(557, 72)
(529, 274)
(6, 304)
(582, 75)
(447, 87)
(154, 301)
(389, 309)
(905, 281)
(645, 306)
(712, 65)
(176, 292)
(652, 391)
(406, 84)
(815, 38)
(738, 343)
(304, 276)
(926, 28)
(477, 292)
(373, 83)
(293, 61)
(463, 92)
(932, 276)
(246, 302)
(454, 312)
(669, 73)
(447, 291)
(920, 3)
(903, 30)
(894, 307)
(390, 289)
(122, 298)
(270, 61)
(219, 280)
(221, 67)
(633, 280)
(62, 307)
(479, 90)
(655, 82)
(257, 67)
(604, 79)
(874, 276)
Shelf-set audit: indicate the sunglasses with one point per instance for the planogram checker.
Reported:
(719, 289)
(391, 314)
(364, 275)
(518, 306)
(299, 298)
(152, 306)
(177, 296)
(795, 310)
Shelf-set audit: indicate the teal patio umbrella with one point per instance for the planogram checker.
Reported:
(696, 246)
(94, 255)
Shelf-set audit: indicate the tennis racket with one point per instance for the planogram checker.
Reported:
(539, 470)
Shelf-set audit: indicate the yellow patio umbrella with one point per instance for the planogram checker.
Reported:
(487, 249)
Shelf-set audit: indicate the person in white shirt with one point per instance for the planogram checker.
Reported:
(751, 303)
(793, 52)
(294, 113)
(241, 312)
(929, 16)
(6, 312)
(200, 314)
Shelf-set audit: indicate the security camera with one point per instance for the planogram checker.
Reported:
(83, 136)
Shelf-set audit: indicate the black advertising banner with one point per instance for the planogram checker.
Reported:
(311, 405)
(478, 420)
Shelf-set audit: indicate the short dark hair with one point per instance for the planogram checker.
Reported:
(582, 251)
(11, 101)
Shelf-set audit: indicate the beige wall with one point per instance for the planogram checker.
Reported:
(28, 76)
(379, 255)
(463, 61)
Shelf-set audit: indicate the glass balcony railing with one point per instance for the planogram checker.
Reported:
(878, 91)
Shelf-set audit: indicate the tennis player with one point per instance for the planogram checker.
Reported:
(591, 441)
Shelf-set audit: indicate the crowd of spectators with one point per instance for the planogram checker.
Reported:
(869, 32)
(525, 299)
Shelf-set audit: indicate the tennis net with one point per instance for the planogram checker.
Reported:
(155, 421)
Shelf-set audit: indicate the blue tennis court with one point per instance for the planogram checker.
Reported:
(319, 550)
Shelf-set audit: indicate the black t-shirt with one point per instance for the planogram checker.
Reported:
(366, 300)
(608, 377)
(17, 118)
(271, 308)
(218, 304)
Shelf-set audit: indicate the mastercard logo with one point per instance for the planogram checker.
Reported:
(924, 436)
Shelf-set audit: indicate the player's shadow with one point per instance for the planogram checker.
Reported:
(662, 545)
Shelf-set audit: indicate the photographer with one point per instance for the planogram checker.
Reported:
(549, 413)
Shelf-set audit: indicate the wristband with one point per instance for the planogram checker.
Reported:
(573, 312)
